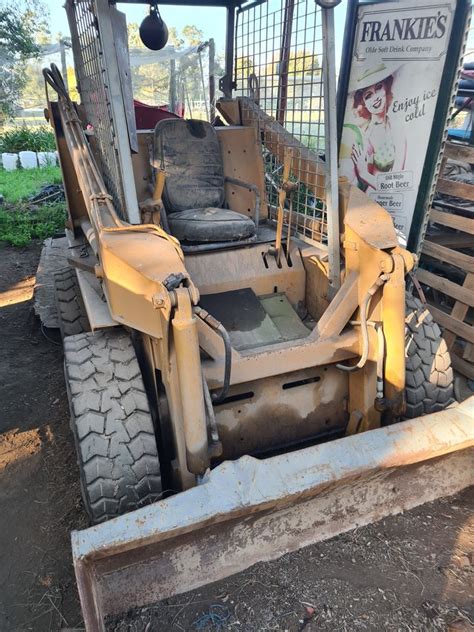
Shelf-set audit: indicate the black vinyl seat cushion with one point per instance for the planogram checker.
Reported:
(194, 191)
(211, 225)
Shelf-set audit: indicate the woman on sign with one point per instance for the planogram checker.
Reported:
(370, 147)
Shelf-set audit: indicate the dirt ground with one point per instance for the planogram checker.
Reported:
(409, 572)
(39, 492)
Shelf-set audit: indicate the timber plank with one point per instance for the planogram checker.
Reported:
(452, 239)
(465, 262)
(460, 310)
(457, 189)
(462, 366)
(452, 324)
(452, 221)
(455, 151)
(462, 294)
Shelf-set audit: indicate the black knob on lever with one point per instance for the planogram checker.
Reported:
(153, 30)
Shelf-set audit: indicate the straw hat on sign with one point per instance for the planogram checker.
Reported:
(363, 77)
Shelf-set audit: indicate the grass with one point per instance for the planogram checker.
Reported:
(20, 221)
(19, 184)
(18, 226)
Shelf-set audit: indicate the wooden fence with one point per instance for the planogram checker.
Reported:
(447, 264)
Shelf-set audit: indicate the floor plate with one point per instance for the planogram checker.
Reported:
(255, 321)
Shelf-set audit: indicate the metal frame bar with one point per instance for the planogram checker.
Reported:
(185, 3)
(226, 83)
(118, 110)
(331, 152)
(285, 60)
(345, 68)
(100, 87)
(252, 510)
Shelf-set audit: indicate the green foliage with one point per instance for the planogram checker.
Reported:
(27, 138)
(173, 38)
(304, 200)
(134, 40)
(15, 185)
(20, 225)
(192, 35)
(33, 94)
(20, 220)
(300, 62)
(20, 22)
(15, 23)
(244, 66)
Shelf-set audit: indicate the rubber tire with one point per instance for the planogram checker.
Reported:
(429, 376)
(112, 425)
(72, 315)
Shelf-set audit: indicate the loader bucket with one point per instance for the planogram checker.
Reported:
(252, 510)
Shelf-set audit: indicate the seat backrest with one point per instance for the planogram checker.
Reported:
(189, 151)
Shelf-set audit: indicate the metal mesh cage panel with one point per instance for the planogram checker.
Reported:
(278, 66)
(91, 77)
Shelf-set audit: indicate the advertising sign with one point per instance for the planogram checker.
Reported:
(393, 86)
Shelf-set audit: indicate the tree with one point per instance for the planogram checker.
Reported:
(134, 40)
(33, 92)
(192, 35)
(20, 22)
(244, 67)
(151, 81)
(300, 62)
(174, 39)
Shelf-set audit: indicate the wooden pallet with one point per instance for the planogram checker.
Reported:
(442, 254)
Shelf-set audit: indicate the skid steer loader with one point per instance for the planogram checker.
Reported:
(238, 340)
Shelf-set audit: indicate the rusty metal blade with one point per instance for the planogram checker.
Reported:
(249, 510)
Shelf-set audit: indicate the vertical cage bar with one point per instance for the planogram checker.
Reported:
(226, 83)
(285, 61)
(115, 94)
(330, 134)
(212, 79)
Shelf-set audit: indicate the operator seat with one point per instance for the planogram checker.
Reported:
(194, 195)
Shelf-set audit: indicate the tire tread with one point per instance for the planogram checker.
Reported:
(111, 423)
(429, 376)
(69, 304)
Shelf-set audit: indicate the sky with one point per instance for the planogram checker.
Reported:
(210, 20)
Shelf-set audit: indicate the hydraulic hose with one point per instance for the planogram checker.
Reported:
(380, 360)
(380, 353)
(90, 178)
(54, 78)
(364, 308)
(219, 396)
